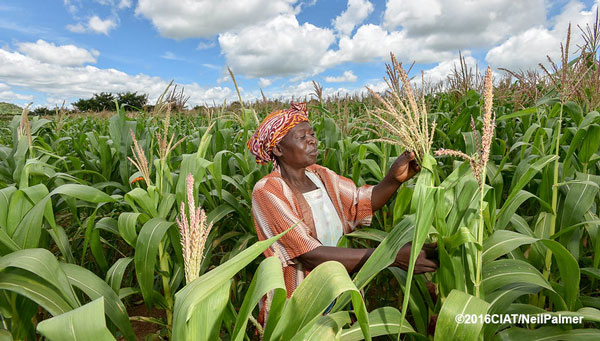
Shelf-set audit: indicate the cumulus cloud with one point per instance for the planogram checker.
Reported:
(458, 24)
(101, 26)
(69, 55)
(525, 50)
(356, 13)
(205, 46)
(76, 28)
(264, 82)
(445, 68)
(280, 47)
(124, 4)
(207, 18)
(372, 42)
(348, 76)
(71, 82)
(7, 95)
(94, 25)
(303, 90)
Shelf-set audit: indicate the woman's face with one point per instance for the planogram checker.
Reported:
(299, 147)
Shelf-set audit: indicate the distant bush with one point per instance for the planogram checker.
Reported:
(10, 109)
(106, 101)
(43, 111)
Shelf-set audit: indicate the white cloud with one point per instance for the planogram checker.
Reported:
(170, 56)
(71, 82)
(373, 42)
(7, 95)
(278, 47)
(525, 50)
(94, 25)
(211, 66)
(69, 55)
(348, 76)
(77, 28)
(101, 26)
(264, 82)
(305, 91)
(445, 68)
(379, 86)
(356, 13)
(10, 97)
(447, 25)
(124, 4)
(205, 46)
(207, 18)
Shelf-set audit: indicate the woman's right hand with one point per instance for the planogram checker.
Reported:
(426, 260)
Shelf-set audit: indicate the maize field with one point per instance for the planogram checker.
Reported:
(143, 218)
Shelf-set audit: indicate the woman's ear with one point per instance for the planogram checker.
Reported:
(277, 150)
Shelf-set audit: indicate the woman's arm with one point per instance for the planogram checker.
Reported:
(404, 168)
(354, 259)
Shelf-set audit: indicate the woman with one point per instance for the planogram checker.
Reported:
(323, 204)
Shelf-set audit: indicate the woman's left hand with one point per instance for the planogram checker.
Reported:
(404, 168)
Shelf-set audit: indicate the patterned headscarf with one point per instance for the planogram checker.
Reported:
(273, 129)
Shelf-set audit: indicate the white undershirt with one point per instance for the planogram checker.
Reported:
(327, 221)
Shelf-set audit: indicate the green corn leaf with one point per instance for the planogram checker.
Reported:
(503, 272)
(126, 223)
(384, 255)
(84, 323)
(368, 233)
(8, 245)
(114, 275)
(520, 113)
(382, 321)
(327, 327)
(314, 295)
(509, 208)
(108, 224)
(579, 199)
(143, 199)
(95, 288)
(28, 231)
(268, 276)
(194, 293)
(417, 303)
(146, 251)
(42, 263)
(502, 242)
(5, 195)
(456, 304)
(548, 333)
(569, 271)
(424, 200)
(205, 322)
(36, 289)
(401, 203)
(500, 300)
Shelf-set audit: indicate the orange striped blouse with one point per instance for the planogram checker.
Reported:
(276, 206)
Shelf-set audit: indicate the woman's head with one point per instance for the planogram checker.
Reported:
(274, 128)
(298, 148)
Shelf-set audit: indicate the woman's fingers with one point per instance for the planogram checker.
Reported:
(429, 263)
(431, 250)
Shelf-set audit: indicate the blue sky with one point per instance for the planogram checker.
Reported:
(52, 51)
